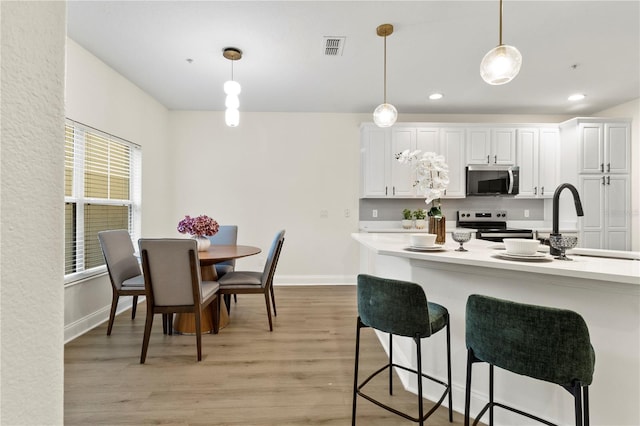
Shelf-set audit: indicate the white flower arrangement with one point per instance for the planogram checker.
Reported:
(432, 175)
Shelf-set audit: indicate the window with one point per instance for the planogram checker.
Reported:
(102, 191)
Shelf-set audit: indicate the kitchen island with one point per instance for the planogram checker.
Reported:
(606, 292)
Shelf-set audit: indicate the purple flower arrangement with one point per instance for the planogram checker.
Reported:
(198, 226)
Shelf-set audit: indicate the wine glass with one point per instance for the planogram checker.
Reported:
(461, 237)
(562, 243)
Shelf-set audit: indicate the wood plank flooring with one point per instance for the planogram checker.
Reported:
(299, 374)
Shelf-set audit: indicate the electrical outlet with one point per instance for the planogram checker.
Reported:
(526, 213)
(324, 214)
(374, 213)
(347, 213)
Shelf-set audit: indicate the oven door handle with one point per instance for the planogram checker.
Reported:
(523, 234)
(510, 171)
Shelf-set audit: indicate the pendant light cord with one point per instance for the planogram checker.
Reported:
(500, 44)
(385, 69)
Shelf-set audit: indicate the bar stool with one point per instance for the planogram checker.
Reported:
(535, 341)
(400, 308)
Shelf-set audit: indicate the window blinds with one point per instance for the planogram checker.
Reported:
(102, 191)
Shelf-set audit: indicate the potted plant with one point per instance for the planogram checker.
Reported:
(407, 219)
(420, 216)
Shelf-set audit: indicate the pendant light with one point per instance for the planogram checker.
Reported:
(502, 63)
(232, 90)
(385, 114)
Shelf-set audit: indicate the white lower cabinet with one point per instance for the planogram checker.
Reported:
(606, 204)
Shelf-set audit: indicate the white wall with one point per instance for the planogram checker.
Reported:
(276, 170)
(98, 96)
(31, 230)
(631, 110)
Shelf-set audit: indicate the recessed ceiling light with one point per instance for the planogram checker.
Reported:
(576, 97)
(436, 96)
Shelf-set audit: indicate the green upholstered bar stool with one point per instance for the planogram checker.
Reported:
(540, 342)
(400, 308)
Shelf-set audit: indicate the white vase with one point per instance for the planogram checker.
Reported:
(421, 223)
(407, 223)
(203, 243)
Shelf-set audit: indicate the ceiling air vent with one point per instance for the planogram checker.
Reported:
(333, 46)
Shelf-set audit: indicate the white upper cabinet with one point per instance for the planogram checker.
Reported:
(375, 150)
(537, 157)
(382, 176)
(604, 147)
(401, 175)
(452, 147)
(491, 145)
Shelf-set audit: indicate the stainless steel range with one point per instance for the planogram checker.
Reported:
(490, 225)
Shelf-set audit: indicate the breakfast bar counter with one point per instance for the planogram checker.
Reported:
(605, 291)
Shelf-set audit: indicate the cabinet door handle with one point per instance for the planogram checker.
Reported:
(535, 190)
(542, 190)
(488, 159)
(394, 190)
(386, 190)
(608, 180)
(495, 159)
(602, 167)
(608, 167)
(603, 180)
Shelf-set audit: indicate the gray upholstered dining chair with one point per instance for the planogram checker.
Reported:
(173, 285)
(400, 308)
(254, 282)
(124, 270)
(226, 235)
(540, 342)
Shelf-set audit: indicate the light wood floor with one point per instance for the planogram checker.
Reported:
(299, 374)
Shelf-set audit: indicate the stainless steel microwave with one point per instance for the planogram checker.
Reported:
(493, 180)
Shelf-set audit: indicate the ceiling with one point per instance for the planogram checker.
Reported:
(590, 47)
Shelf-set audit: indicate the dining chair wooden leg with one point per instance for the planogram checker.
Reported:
(112, 313)
(148, 323)
(213, 306)
(273, 301)
(198, 333)
(219, 301)
(268, 302)
(165, 323)
(133, 307)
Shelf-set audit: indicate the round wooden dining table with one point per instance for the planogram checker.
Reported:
(185, 323)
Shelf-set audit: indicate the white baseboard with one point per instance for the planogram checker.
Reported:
(314, 280)
(91, 321)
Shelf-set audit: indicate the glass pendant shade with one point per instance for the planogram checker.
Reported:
(500, 65)
(232, 117)
(232, 102)
(232, 87)
(385, 115)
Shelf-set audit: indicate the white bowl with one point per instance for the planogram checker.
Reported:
(422, 240)
(521, 246)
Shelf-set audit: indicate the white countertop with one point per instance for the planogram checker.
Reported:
(481, 254)
(395, 226)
